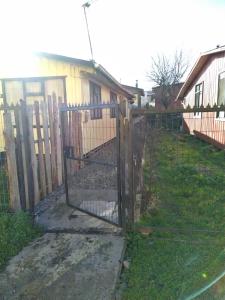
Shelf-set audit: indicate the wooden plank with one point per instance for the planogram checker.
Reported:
(122, 171)
(57, 139)
(70, 162)
(33, 158)
(64, 139)
(24, 143)
(28, 175)
(47, 145)
(11, 162)
(80, 135)
(52, 142)
(20, 159)
(131, 190)
(118, 154)
(75, 137)
(41, 162)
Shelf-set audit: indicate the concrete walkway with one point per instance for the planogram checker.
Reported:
(78, 259)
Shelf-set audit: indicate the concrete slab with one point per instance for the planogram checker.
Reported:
(69, 264)
(78, 195)
(55, 215)
(64, 266)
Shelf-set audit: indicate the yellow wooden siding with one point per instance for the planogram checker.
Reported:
(49, 67)
(100, 131)
(95, 132)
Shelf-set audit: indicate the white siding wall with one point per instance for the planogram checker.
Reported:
(209, 76)
(206, 125)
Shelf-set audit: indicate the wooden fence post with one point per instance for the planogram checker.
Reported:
(21, 158)
(130, 162)
(52, 141)
(11, 162)
(47, 145)
(33, 158)
(57, 133)
(122, 169)
(40, 150)
(127, 171)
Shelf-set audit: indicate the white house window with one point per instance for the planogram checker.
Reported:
(221, 94)
(198, 97)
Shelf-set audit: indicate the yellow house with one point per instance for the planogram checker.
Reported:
(78, 74)
(71, 81)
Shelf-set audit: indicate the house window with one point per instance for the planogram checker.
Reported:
(95, 99)
(221, 94)
(198, 97)
(113, 100)
(34, 88)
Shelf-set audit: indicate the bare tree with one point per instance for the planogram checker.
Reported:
(166, 73)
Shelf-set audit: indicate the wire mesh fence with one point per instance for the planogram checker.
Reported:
(182, 169)
(180, 254)
(90, 153)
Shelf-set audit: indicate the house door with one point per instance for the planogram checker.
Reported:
(91, 160)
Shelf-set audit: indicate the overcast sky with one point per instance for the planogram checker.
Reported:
(125, 33)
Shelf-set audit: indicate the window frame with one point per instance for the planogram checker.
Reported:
(96, 113)
(31, 81)
(220, 115)
(200, 93)
(113, 99)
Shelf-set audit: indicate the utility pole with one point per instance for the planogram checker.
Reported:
(86, 5)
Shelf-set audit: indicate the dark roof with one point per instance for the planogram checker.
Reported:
(175, 86)
(134, 89)
(77, 61)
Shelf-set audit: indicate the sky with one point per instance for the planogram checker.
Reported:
(125, 33)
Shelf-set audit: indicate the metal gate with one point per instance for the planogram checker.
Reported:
(91, 160)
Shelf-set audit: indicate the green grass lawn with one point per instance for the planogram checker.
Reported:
(16, 231)
(185, 180)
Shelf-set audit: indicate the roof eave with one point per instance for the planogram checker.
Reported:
(101, 69)
(82, 62)
(194, 73)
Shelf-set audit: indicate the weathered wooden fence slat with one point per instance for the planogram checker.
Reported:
(33, 157)
(11, 162)
(47, 145)
(41, 161)
(21, 169)
(52, 140)
(71, 162)
(57, 133)
(74, 138)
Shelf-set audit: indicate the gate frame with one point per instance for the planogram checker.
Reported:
(118, 116)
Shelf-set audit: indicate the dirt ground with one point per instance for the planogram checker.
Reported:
(94, 175)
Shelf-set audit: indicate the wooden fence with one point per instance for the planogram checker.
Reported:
(32, 138)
